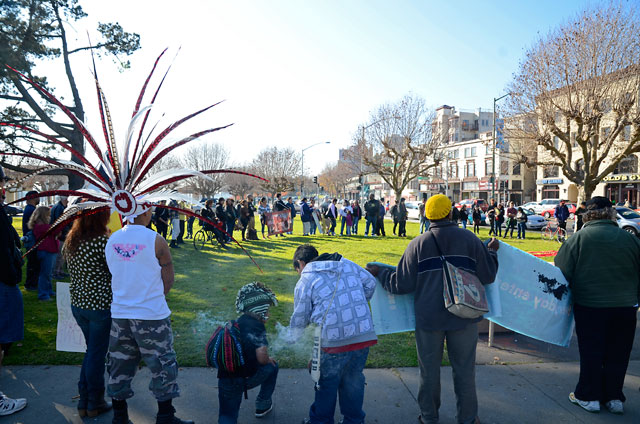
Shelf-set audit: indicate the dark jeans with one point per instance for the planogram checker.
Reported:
(33, 270)
(380, 227)
(395, 226)
(563, 225)
(510, 227)
(497, 231)
(162, 229)
(340, 376)
(190, 226)
(230, 226)
(231, 390)
(492, 226)
(402, 231)
(47, 260)
(332, 230)
(371, 221)
(355, 225)
(605, 339)
(95, 326)
(522, 229)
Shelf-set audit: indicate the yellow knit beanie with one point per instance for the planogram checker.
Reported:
(438, 207)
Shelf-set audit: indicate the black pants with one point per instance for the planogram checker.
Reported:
(395, 226)
(605, 339)
(380, 227)
(162, 229)
(33, 270)
(332, 230)
(492, 226)
(563, 225)
(181, 232)
(402, 231)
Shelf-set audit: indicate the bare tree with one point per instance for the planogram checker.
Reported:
(240, 185)
(205, 156)
(575, 97)
(336, 177)
(279, 166)
(398, 143)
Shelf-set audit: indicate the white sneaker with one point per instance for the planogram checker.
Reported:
(615, 407)
(590, 406)
(8, 406)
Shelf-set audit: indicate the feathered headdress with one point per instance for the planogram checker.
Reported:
(121, 180)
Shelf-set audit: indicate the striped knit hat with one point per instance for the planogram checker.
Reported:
(255, 298)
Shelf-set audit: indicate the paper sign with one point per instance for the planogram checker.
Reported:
(69, 337)
(391, 313)
(534, 297)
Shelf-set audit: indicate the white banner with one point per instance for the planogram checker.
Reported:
(69, 337)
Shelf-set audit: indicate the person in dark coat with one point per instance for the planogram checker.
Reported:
(33, 263)
(420, 272)
(403, 215)
(11, 306)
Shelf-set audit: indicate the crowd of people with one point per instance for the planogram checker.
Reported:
(119, 284)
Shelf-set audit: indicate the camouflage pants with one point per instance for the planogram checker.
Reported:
(150, 340)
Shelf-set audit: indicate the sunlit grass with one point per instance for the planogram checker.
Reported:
(206, 285)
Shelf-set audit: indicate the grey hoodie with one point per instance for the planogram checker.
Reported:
(349, 318)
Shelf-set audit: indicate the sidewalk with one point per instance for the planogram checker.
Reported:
(526, 393)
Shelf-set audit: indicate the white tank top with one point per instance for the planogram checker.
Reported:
(138, 291)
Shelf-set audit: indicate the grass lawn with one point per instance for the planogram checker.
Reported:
(206, 285)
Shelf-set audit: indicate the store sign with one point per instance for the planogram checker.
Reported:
(615, 178)
(486, 185)
(470, 185)
(549, 181)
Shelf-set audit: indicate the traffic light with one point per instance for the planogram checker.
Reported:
(315, 180)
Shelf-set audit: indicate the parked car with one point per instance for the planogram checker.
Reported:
(532, 206)
(413, 210)
(470, 203)
(12, 210)
(628, 220)
(534, 221)
(550, 212)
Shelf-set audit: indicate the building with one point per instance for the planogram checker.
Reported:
(465, 171)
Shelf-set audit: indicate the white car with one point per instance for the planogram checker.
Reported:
(531, 205)
(413, 210)
(546, 204)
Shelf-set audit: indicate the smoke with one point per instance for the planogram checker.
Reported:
(282, 345)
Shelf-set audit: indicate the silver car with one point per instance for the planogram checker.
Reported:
(534, 222)
(628, 220)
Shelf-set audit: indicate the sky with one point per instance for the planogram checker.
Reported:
(293, 73)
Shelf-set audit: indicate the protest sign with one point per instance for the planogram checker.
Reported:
(69, 337)
(278, 222)
(534, 297)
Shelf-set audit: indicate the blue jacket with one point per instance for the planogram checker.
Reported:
(292, 207)
(305, 212)
(561, 212)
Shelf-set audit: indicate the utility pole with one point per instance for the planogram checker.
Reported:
(493, 160)
(302, 168)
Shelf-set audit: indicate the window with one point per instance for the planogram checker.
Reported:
(465, 125)
(488, 167)
(453, 170)
(556, 142)
(550, 171)
(456, 154)
(627, 165)
(516, 185)
(516, 169)
(504, 167)
(470, 169)
(488, 149)
(473, 152)
(626, 133)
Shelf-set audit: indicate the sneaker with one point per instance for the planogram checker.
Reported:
(9, 406)
(615, 407)
(262, 412)
(590, 406)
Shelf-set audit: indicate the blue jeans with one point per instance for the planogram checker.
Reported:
(355, 225)
(95, 325)
(340, 375)
(343, 225)
(373, 221)
(230, 226)
(521, 229)
(47, 261)
(424, 225)
(231, 390)
(313, 226)
(464, 223)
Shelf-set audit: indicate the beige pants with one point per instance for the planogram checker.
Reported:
(251, 225)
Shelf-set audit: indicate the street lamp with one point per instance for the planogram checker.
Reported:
(493, 158)
(302, 173)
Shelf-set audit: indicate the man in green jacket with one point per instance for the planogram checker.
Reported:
(601, 262)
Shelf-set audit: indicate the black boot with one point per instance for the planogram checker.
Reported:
(120, 412)
(168, 416)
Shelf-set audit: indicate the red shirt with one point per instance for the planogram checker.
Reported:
(50, 244)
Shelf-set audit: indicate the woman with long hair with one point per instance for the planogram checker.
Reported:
(84, 250)
(47, 250)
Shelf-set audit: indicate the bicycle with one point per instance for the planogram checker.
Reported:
(202, 236)
(558, 234)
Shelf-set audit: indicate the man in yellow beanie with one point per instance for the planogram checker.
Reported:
(420, 272)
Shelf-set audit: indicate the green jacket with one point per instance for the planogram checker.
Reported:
(601, 262)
